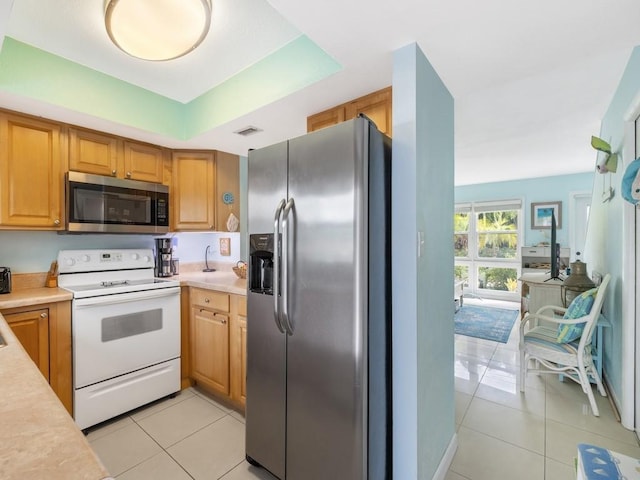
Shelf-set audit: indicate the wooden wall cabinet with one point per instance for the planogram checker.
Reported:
(143, 162)
(103, 154)
(31, 166)
(193, 191)
(227, 185)
(377, 106)
(325, 119)
(35, 154)
(45, 333)
(93, 152)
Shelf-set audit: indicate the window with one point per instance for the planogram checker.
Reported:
(487, 245)
(461, 234)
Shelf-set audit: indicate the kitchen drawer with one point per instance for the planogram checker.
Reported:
(210, 299)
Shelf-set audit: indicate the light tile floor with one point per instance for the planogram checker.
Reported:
(502, 434)
(191, 436)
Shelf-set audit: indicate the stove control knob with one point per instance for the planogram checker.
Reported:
(135, 256)
(70, 262)
(86, 258)
(147, 258)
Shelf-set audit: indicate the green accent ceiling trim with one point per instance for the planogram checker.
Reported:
(31, 72)
(296, 65)
(34, 73)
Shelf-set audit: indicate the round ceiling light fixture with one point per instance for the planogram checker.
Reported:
(157, 30)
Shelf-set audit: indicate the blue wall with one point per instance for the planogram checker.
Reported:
(29, 252)
(603, 251)
(422, 194)
(543, 189)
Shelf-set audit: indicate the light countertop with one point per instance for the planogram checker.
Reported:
(33, 296)
(38, 438)
(223, 281)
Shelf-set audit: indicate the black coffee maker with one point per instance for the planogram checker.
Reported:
(163, 257)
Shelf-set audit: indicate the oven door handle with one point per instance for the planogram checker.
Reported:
(126, 297)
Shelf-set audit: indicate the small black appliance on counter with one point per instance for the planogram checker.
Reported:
(163, 257)
(5, 280)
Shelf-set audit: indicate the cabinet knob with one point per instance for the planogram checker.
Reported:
(128, 174)
(206, 300)
(43, 315)
(56, 222)
(113, 172)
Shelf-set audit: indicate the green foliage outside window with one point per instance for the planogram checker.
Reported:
(461, 272)
(498, 234)
(492, 278)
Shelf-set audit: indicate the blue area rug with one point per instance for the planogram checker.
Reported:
(485, 322)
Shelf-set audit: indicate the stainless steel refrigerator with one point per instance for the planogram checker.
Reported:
(319, 305)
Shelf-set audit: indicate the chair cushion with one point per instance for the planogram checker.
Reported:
(546, 337)
(580, 307)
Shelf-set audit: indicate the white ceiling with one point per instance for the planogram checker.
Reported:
(531, 80)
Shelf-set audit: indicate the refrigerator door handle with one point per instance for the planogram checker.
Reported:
(276, 265)
(286, 241)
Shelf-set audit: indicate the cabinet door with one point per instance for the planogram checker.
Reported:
(143, 162)
(93, 152)
(32, 330)
(193, 191)
(242, 322)
(210, 349)
(376, 106)
(325, 119)
(238, 350)
(45, 333)
(31, 182)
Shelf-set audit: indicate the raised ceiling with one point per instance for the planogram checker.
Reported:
(531, 80)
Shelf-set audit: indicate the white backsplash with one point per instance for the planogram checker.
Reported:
(191, 246)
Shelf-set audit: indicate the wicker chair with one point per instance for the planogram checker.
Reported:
(539, 346)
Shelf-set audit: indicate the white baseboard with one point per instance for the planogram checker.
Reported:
(447, 458)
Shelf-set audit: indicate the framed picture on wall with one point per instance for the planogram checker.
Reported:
(541, 214)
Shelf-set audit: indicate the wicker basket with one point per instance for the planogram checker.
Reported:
(240, 270)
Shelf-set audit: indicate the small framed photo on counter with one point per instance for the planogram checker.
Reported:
(541, 214)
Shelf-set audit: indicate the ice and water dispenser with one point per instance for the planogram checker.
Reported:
(261, 263)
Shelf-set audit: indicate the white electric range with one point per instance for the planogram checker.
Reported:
(125, 331)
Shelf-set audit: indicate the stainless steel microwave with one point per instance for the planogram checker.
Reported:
(95, 203)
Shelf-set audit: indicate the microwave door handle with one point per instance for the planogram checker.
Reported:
(276, 265)
(288, 250)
